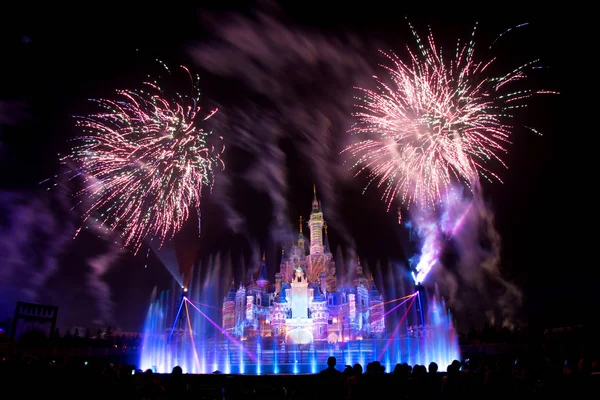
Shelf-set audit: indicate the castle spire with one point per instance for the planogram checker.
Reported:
(262, 276)
(301, 224)
(232, 290)
(316, 205)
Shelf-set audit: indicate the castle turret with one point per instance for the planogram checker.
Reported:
(359, 279)
(262, 281)
(315, 223)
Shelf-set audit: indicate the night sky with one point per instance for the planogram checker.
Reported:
(55, 60)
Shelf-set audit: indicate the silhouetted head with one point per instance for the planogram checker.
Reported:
(331, 361)
(177, 370)
(433, 368)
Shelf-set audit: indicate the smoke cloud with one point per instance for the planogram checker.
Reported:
(33, 234)
(109, 247)
(36, 232)
(222, 190)
(299, 86)
(99, 266)
(460, 243)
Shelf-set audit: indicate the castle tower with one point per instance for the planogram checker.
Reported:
(229, 309)
(315, 223)
(283, 266)
(317, 260)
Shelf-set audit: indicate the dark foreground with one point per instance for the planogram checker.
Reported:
(492, 378)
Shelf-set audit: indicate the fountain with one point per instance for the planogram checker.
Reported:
(182, 329)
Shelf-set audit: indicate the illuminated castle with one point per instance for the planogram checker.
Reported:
(306, 303)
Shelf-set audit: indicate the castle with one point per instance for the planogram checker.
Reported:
(307, 303)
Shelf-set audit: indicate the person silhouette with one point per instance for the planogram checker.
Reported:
(332, 384)
(330, 370)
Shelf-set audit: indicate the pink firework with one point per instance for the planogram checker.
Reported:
(434, 121)
(145, 160)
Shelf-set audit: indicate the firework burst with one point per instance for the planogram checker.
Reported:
(435, 120)
(144, 160)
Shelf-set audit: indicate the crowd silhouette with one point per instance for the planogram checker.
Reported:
(487, 377)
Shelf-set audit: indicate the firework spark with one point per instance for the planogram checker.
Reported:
(145, 160)
(434, 121)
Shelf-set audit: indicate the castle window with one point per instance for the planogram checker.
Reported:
(258, 301)
(330, 301)
(320, 330)
(271, 302)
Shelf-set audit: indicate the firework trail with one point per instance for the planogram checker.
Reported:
(436, 120)
(145, 160)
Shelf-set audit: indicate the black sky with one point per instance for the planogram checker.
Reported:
(55, 59)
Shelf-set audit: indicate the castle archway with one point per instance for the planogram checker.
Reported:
(332, 338)
(299, 336)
